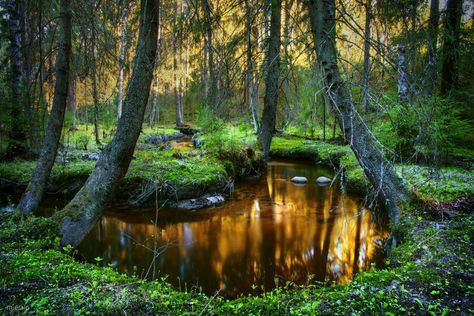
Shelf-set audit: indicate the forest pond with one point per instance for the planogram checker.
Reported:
(272, 231)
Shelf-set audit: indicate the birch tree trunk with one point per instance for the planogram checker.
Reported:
(403, 93)
(272, 79)
(390, 189)
(80, 215)
(35, 190)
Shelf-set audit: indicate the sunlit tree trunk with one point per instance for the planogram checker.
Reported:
(272, 79)
(452, 29)
(35, 190)
(252, 101)
(80, 215)
(176, 75)
(366, 78)
(212, 97)
(388, 186)
(121, 61)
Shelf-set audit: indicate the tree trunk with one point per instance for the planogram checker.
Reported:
(212, 99)
(389, 188)
(35, 190)
(272, 79)
(366, 79)
(80, 215)
(432, 73)
(95, 94)
(71, 100)
(17, 141)
(452, 29)
(176, 74)
(402, 82)
(252, 101)
(122, 62)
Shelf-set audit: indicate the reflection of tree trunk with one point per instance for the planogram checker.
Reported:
(452, 26)
(80, 215)
(33, 194)
(368, 17)
(121, 61)
(272, 79)
(357, 242)
(389, 188)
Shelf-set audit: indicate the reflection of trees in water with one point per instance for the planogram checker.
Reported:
(280, 229)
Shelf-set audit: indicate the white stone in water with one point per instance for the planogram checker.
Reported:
(299, 180)
(323, 181)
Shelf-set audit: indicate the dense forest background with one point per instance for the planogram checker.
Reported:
(408, 65)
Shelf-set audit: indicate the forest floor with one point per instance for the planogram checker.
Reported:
(431, 271)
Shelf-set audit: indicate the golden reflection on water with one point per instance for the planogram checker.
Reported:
(271, 232)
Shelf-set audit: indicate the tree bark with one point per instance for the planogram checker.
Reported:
(252, 101)
(402, 81)
(452, 28)
(80, 215)
(212, 99)
(121, 61)
(272, 79)
(35, 190)
(390, 189)
(177, 34)
(432, 61)
(71, 99)
(95, 93)
(17, 141)
(366, 79)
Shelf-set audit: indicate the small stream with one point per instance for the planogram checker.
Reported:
(271, 231)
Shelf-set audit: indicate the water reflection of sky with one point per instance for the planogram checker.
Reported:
(272, 232)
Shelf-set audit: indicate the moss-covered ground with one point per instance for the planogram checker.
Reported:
(177, 172)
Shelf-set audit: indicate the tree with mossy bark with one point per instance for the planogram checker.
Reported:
(389, 188)
(78, 217)
(35, 190)
(270, 100)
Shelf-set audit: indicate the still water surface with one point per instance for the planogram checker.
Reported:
(271, 232)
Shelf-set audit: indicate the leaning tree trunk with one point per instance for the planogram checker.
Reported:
(452, 29)
(390, 189)
(35, 190)
(270, 101)
(80, 215)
